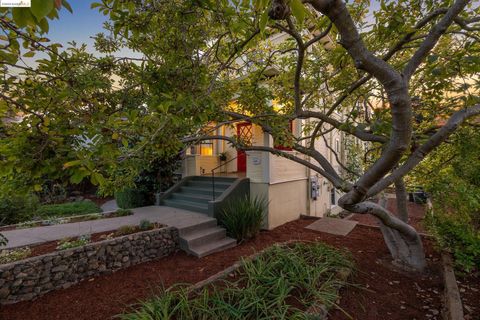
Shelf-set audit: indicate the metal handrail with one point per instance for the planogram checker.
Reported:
(213, 174)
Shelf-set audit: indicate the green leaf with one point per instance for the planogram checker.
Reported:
(67, 6)
(22, 17)
(41, 8)
(263, 20)
(43, 24)
(71, 163)
(78, 176)
(95, 5)
(298, 10)
(29, 54)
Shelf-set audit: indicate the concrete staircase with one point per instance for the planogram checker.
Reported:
(197, 192)
(205, 237)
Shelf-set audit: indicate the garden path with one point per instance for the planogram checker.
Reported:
(174, 217)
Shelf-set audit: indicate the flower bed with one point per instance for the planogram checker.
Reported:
(34, 276)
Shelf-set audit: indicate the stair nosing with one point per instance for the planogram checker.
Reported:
(202, 232)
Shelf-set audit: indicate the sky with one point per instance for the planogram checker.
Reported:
(79, 26)
(86, 22)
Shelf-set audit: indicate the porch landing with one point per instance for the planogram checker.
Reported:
(199, 233)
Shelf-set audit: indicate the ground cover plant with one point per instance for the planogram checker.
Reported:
(11, 255)
(69, 243)
(68, 209)
(281, 283)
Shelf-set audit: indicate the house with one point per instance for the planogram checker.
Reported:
(291, 189)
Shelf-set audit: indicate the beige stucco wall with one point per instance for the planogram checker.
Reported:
(287, 202)
(195, 165)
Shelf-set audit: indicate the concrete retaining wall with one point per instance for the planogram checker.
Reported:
(35, 276)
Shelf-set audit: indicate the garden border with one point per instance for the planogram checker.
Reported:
(30, 278)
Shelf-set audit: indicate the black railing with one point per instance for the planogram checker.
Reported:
(213, 175)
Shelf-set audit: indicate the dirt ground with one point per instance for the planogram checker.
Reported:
(378, 290)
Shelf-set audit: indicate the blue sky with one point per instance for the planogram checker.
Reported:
(79, 26)
(86, 22)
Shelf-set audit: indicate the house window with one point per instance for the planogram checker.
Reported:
(206, 148)
(333, 196)
(282, 147)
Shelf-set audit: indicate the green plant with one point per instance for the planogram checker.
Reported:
(7, 256)
(68, 243)
(27, 224)
(459, 238)
(121, 213)
(222, 156)
(17, 208)
(281, 283)
(3, 240)
(145, 225)
(68, 209)
(243, 217)
(131, 198)
(124, 230)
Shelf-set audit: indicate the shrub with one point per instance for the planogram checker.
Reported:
(124, 230)
(145, 225)
(243, 217)
(121, 213)
(17, 208)
(459, 238)
(68, 243)
(68, 209)
(131, 198)
(7, 256)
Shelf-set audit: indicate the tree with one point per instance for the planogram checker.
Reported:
(404, 79)
(395, 60)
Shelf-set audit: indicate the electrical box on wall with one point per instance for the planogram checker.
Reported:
(314, 187)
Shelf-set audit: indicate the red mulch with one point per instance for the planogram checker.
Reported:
(51, 246)
(469, 286)
(415, 211)
(382, 292)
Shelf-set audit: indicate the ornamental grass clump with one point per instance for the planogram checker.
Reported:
(281, 283)
(243, 217)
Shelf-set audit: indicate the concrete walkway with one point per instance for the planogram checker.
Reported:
(174, 217)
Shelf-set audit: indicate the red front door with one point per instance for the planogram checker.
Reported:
(244, 133)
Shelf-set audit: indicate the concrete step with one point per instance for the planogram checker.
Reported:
(208, 184)
(187, 205)
(186, 231)
(204, 198)
(212, 247)
(200, 190)
(201, 237)
(217, 178)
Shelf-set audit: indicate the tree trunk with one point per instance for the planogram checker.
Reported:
(401, 193)
(402, 240)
